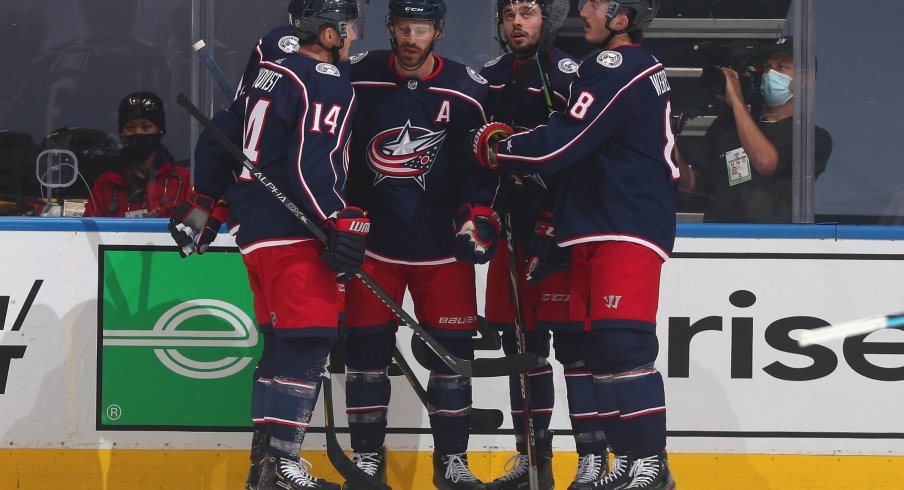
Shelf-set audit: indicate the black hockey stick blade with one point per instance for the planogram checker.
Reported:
(482, 420)
(556, 15)
(346, 467)
(485, 420)
(486, 367)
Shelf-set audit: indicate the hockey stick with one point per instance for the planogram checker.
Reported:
(346, 467)
(482, 420)
(478, 368)
(524, 378)
(555, 19)
(850, 329)
(215, 71)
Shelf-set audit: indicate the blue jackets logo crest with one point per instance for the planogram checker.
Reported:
(404, 153)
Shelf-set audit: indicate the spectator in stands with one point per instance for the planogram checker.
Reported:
(747, 168)
(147, 183)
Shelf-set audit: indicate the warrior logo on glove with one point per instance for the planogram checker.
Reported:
(402, 153)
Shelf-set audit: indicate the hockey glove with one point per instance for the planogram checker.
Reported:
(476, 232)
(545, 255)
(195, 224)
(485, 140)
(346, 241)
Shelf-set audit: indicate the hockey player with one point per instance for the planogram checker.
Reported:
(519, 100)
(296, 112)
(411, 168)
(615, 207)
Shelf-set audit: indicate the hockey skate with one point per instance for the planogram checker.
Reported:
(651, 473)
(518, 478)
(259, 442)
(374, 464)
(591, 470)
(451, 472)
(286, 474)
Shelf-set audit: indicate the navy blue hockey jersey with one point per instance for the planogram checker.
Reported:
(215, 169)
(411, 162)
(529, 109)
(613, 146)
(297, 115)
(278, 43)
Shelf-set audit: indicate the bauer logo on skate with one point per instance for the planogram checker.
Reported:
(166, 338)
(404, 153)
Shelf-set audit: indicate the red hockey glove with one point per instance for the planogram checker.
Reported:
(486, 138)
(545, 255)
(476, 232)
(195, 224)
(346, 241)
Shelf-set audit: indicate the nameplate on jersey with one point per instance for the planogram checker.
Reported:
(327, 69)
(738, 165)
(610, 59)
(266, 79)
(660, 82)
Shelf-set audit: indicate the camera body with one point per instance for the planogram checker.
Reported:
(740, 56)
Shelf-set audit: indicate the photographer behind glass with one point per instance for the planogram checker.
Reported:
(747, 166)
(146, 183)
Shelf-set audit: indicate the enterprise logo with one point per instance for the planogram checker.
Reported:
(166, 338)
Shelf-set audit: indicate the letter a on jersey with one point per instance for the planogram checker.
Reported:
(404, 153)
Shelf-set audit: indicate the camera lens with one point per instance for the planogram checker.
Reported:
(713, 80)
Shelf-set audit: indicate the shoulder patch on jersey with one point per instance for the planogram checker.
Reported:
(289, 44)
(493, 61)
(476, 76)
(568, 65)
(610, 59)
(327, 69)
(357, 57)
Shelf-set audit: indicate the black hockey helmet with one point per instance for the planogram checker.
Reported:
(434, 10)
(143, 105)
(645, 11)
(308, 17)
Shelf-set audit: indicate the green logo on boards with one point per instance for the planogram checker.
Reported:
(179, 342)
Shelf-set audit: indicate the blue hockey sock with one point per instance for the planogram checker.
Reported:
(290, 398)
(450, 395)
(589, 436)
(367, 399)
(641, 404)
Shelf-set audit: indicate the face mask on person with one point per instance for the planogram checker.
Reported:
(776, 88)
(140, 146)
